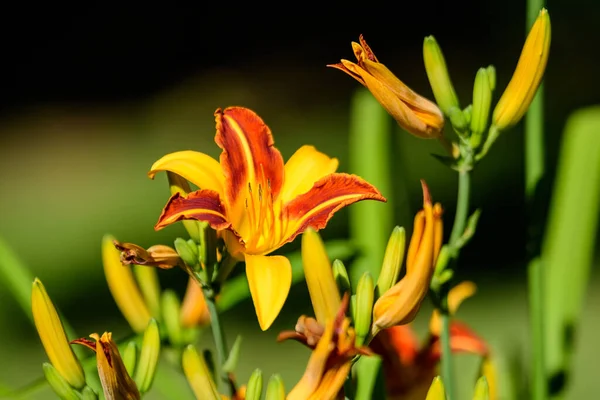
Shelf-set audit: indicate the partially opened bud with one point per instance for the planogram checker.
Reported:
(527, 76)
(438, 75)
(53, 337)
(414, 113)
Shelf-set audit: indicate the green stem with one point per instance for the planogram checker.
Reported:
(462, 206)
(219, 338)
(447, 375)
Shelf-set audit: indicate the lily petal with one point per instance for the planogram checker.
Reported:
(331, 193)
(202, 205)
(306, 166)
(269, 279)
(200, 169)
(249, 159)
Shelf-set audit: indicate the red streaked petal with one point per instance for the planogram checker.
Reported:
(462, 340)
(248, 158)
(202, 205)
(331, 193)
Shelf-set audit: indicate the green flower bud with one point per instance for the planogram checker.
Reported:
(171, 316)
(186, 253)
(88, 394)
(482, 390)
(392, 260)
(255, 384)
(60, 386)
(468, 113)
(341, 277)
(149, 353)
(482, 100)
(491, 71)
(275, 388)
(129, 357)
(364, 307)
(437, 72)
(147, 279)
(457, 119)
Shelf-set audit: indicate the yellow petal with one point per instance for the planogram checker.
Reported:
(269, 279)
(53, 336)
(321, 284)
(116, 382)
(306, 166)
(436, 390)
(122, 285)
(198, 168)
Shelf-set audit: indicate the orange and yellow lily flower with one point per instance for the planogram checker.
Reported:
(258, 202)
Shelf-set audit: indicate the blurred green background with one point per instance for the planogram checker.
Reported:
(92, 96)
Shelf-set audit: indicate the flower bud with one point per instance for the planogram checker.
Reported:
(198, 375)
(526, 79)
(482, 391)
(171, 316)
(53, 337)
(233, 359)
(482, 99)
(392, 260)
(189, 256)
(436, 390)
(148, 283)
(438, 76)
(275, 388)
(340, 274)
(468, 114)
(254, 387)
(61, 387)
(88, 394)
(130, 357)
(458, 119)
(491, 72)
(364, 307)
(146, 366)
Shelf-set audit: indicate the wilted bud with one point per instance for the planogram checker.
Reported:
(342, 280)
(254, 387)
(321, 284)
(59, 385)
(53, 337)
(527, 76)
(414, 113)
(392, 261)
(364, 307)
(116, 382)
(123, 287)
(146, 366)
(275, 388)
(436, 390)
(159, 255)
(482, 99)
(198, 375)
(438, 75)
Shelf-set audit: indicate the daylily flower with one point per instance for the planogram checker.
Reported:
(260, 202)
(409, 368)
(116, 382)
(400, 304)
(526, 79)
(414, 113)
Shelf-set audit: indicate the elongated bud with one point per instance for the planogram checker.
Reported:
(198, 375)
(189, 256)
(275, 388)
(146, 366)
(438, 75)
(482, 99)
(147, 279)
(527, 76)
(468, 114)
(130, 357)
(234, 356)
(255, 384)
(491, 73)
(340, 274)
(482, 391)
(436, 390)
(61, 387)
(123, 287)
(392, 261)
(458, 119)
(53, 337)
(364, 307)
(178, 184)
(171, 312)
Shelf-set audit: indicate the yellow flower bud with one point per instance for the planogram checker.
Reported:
(392, 261)
(146, 365)
(198, 375)
(482, 391)
(53, 337)
(527, 76)
(437, 72)
(436, 390)
(364, 307)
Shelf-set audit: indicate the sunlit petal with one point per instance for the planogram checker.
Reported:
(328, 195)
(202, 205)
(198, 168)
(269, 279)
(306, 166)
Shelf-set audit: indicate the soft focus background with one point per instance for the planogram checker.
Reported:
(91, 96)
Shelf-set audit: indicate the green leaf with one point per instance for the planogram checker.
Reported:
(369, 147)
(369, 378)
(236, 289)
(568, 245)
